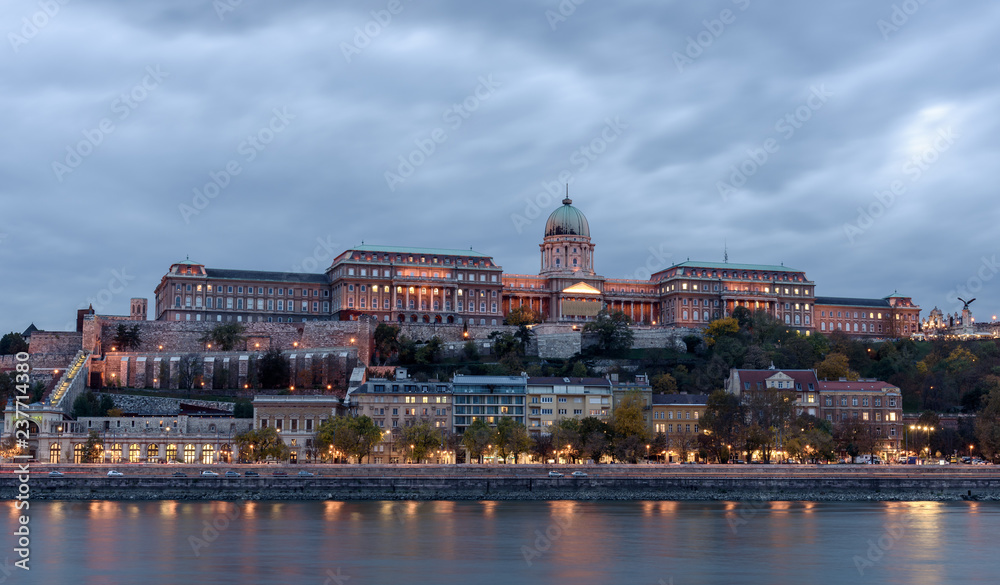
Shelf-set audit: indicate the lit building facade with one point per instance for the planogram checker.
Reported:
(551, 399)
(878, 405)
(488, 398)
(465, 287)
(417, 285)
(191, 292)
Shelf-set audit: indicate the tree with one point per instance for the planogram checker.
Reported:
(726, 326)
(9, 447)
(273, 370)
(127, 338)
(354, 436)
(258, 445)
(629, 430)
(423, 438)
(243, 409)
(470, 351)
(855, 437)
(595, 437)
(834, 367)
(477, 437)
(543, 448)
(770, 411)
(664, 384)
(566, 436)
(504, 343)
(613, 330)
(430, 352)
(755, 358)
(522, 316)
(386, 338)
(12, 343)
(93, 449)
(511, 438)
(987, 427)
(226, 337)
(723, 421)
(659, 445)
(579, 370)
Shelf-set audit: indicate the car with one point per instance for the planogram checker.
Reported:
(579, 474)
(232, 473)
(304, 474)
(279, 474)
(115, 473)
(209, 473)
(55, 474)
(178, 474)
(555, 474)
(251, 474)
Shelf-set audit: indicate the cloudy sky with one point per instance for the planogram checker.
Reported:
(855, 140)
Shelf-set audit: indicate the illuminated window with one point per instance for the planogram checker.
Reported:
(189, 453)
(171, 453)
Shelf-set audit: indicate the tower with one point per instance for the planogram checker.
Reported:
(566, 248)
(138, 309)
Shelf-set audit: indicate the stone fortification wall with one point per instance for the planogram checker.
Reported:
(450, 332)
(158, 406)
(55, 342)
(665, 337)
(186, 336)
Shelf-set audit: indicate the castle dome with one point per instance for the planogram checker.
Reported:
(567, 220)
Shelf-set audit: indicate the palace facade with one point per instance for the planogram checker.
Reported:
(450, 286)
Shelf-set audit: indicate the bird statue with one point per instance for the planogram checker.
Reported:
(967, 303)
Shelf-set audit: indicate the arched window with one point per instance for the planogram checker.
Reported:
(133, 453)
(171, 454)
(189, 453)
(152, 452)
(78, 453)
(207, 454)
(54, 453)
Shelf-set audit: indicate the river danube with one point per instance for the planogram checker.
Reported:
(356, 543)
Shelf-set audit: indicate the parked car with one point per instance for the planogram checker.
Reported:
(579, 474)
(232, 473)
(209, 473)
(251, 474)
(305, 474)
(55, 474)
(555, 474)
(115, 473)
(178, 474)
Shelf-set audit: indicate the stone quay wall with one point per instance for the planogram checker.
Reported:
(374, 482)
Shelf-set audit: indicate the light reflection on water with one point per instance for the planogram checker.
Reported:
(148, 543)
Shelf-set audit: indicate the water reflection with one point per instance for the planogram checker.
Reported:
(511, 542)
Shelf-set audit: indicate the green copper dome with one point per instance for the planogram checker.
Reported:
(567, 220)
